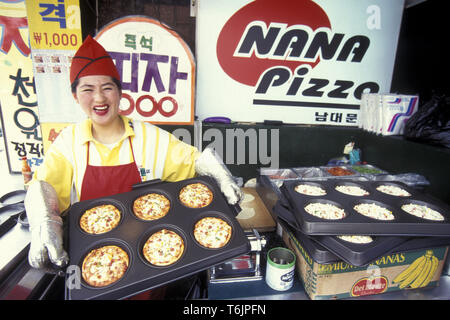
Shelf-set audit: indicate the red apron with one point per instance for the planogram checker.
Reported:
(103, 181)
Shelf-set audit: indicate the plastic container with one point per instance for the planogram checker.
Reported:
(340, 171)
(367, 169)
(278, 174)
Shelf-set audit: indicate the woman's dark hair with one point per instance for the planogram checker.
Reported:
(74, 84)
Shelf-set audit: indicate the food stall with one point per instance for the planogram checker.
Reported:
(254, 146)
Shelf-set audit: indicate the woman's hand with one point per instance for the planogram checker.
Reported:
(46, 226)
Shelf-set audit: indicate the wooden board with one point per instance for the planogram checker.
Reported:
(254, 214)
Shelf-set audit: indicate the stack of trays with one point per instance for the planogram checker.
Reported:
(326, 217)
(132, 232)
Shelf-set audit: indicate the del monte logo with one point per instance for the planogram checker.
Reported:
(369, 286)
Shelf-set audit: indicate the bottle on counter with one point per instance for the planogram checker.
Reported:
(26, 171)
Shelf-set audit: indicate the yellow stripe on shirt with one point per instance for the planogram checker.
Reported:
(155, 148)
(144, 153)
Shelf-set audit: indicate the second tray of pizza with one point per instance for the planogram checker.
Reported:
(157, 233)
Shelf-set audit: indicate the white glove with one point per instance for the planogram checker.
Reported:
(210, 164)
(46, 226)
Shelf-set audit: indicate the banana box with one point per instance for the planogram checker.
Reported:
(392, 272)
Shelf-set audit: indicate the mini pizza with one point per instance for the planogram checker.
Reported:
(196, 195)
(374, 211)
(212, 232)
(151, 206)
(352, 190)
(422, 211)
(163, 248)
(356, 239)
(104, 266)
(100, 219)
(325, 211)
(393, 191)
(310, 190)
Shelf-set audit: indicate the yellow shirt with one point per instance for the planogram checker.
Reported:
(158, 155)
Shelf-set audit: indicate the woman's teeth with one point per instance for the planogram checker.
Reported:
(101, 110)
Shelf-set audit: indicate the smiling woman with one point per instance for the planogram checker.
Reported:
(99, 98)
(104, 155)
(96, 87)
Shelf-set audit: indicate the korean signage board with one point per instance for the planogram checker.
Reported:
(18, 101)
(296, 61)
(157, 69)
(55, 35)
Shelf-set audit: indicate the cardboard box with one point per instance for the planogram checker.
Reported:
(339, 280)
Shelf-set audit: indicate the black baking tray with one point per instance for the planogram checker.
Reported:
(132, 232)
(352, 253)
(330, 249)
(10, 215)
(13, 197)
(361, 254)
(403, 224)
(316, 251)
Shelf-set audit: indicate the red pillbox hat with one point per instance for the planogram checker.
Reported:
(92, 59)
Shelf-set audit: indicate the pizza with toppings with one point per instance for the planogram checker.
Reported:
(325, 211)
(104, 266)
(100, 219)
(422, 211)
(356, 239)
(212, 232)
(372, 210)
(163, 248)
(151, 206)
(393, 191)
(352, 190)
(310, 190)
(196, 195)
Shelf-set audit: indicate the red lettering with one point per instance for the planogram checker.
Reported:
(169, 113)
(11, 34)
(156, 106)
(130, 109)
(146, 113)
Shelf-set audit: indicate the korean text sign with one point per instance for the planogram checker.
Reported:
(55, 35)
(18, 102)
(157, 70)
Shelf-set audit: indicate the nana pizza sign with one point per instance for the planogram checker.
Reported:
(298, 61)
(157, 70)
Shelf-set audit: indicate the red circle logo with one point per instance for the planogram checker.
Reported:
(247, 70)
